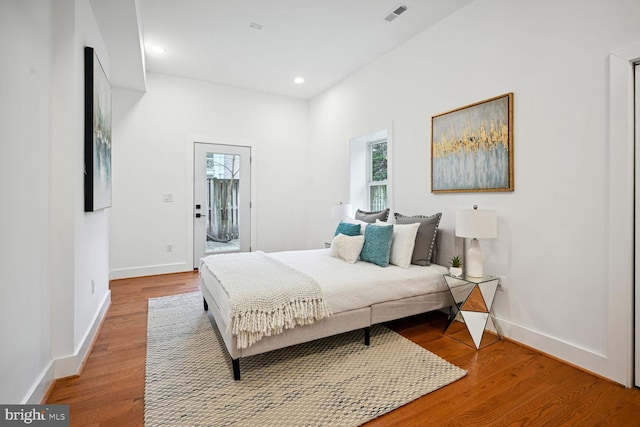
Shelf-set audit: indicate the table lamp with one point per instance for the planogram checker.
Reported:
(341, 211)
(476, 224)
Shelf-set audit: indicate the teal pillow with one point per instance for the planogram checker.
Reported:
(377, 244)
(348, 229)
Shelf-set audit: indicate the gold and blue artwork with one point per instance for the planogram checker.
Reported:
(472, 147)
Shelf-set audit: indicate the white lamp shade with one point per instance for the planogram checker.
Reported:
(340, 211)
(477, 224)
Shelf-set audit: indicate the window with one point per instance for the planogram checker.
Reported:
(377, 176)
(370, 182)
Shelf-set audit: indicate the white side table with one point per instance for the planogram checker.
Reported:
(471, 312)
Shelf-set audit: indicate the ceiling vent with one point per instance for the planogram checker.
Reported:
(396, 12)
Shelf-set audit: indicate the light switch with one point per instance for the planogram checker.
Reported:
(167, 197)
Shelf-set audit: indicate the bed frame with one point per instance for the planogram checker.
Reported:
(363, 318)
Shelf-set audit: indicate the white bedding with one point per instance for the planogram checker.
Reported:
(348, 286)
(267, 296)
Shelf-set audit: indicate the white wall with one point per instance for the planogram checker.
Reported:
(553, 242)
(51, 249)
(80, 240)
(25, 289)
(91, 231)
(153, 133)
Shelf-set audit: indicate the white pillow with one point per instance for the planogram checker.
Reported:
(404, 239)
(347, 248)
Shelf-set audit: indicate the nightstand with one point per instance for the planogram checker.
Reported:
(471, 314)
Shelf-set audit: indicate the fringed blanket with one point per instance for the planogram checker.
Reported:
(266, 295)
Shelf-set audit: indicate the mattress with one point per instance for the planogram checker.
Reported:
(346, 286)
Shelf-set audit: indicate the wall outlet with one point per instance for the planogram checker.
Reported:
(169, 247)
(93, 286)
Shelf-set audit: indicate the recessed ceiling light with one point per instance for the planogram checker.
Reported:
(298, 80)
(158, 49)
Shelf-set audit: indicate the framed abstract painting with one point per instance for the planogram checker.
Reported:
(97, 134)
(472, 147)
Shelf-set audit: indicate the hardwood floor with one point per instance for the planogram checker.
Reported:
(506, 383)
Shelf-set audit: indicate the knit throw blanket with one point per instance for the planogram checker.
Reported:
(266, 295)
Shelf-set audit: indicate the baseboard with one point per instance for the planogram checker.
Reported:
(71, 365)
(40, 388)
(581, 358)
(149, 270)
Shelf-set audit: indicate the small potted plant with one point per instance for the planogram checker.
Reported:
(455, 269)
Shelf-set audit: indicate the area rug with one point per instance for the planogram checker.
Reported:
(336, 381)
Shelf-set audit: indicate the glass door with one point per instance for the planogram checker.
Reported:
(222, 199)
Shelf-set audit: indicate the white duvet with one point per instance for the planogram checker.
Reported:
(350, 286)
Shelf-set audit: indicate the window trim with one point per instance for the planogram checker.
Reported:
(358, 169)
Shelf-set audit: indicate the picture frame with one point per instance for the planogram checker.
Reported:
(97, 134)
(472, 147)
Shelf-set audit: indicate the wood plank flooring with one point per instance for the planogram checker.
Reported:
(506, 384)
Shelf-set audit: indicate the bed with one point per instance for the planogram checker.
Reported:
(359, 295)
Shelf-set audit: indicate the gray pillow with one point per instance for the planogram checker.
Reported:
(371, 217)
(426, 237)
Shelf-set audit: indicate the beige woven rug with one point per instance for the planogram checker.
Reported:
(337, 381)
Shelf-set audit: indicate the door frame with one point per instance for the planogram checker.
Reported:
(636, 221)
(191, 140)
(621, 242)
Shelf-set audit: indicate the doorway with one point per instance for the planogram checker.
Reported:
(222, 200)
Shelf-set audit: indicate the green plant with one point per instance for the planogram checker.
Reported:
(455, 261)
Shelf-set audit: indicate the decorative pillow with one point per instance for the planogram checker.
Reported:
(426, 237)
(377, 244)
(347, 229)
(404, 240)
(346, 247)
(371, 217)
(356, 221)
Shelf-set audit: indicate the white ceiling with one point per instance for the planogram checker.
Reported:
(321, 40)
